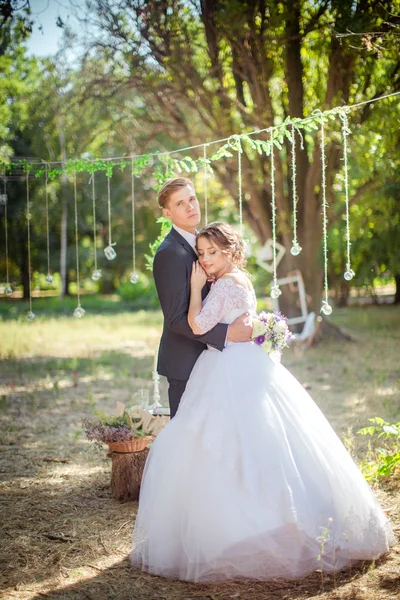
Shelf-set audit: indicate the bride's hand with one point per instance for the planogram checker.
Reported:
(199, 276)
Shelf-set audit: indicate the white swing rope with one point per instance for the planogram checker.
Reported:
(296, 248)
(205, 184)
(134, 276)
(49, 277)
(96, 275)
(326, 309)
(8, 288)
(79, 311)
(31, 315)
(275, 291)
(349, 273)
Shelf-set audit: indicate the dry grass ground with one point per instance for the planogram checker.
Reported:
(62, 534)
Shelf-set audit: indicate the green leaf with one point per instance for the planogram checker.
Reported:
(378, 421)
(367, 430)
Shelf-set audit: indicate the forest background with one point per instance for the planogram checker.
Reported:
(140, 77)
(144, 77)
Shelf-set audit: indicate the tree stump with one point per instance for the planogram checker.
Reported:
(126, 474)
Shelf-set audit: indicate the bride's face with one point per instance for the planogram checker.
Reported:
(213, 260)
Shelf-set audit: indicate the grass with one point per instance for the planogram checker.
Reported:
(63, 536)
(94, 304)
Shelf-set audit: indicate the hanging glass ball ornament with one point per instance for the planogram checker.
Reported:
(110, 253)
(79, 312)
(8, 291)
(295, 249)
(326, 308)
(49, 278)
(96, 275)
(275, 291)
(134, 278)
(31, 316)
(349, 275)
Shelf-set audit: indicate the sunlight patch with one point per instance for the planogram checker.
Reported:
(390, 391)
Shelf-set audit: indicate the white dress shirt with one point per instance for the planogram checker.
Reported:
(189, 237)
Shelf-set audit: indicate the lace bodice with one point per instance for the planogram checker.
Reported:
(226, 301)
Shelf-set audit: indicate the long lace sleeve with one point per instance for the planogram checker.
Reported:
(222, 297)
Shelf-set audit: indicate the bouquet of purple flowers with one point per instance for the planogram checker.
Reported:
(271, 331)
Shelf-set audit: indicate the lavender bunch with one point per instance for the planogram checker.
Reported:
(95, 430)
(104, 428)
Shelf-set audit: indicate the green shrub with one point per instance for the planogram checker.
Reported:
(387, 457)
(142, 294)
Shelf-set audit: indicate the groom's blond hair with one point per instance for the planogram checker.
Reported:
(170, 187)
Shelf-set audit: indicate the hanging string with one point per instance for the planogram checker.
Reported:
(205, 184)
(134, 276)
(96, 275)
(109, 251)
(79, 311)
(296, 248)
(31, 315)
(298, 130)
(49, 277)
(8, 289)
(109, 209)
(239, 150)
(349, 274)
(275, 291)
(326, 308)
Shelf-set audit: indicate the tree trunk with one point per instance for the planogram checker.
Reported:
(126, 474)
(343, 293)
(308, 263)
(397, 292)
(66, 283)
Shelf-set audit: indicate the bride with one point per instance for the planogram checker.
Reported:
(249, 480)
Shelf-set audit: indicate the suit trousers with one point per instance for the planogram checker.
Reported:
(175, 393)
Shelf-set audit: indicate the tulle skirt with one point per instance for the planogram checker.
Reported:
(249, 480)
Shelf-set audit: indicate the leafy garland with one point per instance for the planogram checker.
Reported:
(165, 227)
(167, 166)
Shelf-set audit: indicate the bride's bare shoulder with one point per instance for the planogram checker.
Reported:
(239, 278)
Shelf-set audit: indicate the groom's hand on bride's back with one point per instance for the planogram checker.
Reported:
(241, 330)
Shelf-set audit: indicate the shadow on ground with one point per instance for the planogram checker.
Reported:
(122, 582)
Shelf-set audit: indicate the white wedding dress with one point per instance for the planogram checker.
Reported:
(249, 479)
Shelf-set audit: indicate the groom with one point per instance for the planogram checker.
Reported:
(179, 346)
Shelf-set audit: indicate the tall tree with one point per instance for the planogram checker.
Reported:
(374, 209)
(207, 69)
(17, 81)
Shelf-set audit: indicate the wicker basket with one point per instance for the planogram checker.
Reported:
(135, 445)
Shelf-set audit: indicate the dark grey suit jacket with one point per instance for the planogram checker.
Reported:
(179, 346)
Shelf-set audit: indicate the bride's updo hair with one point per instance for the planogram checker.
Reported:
(227, 240)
